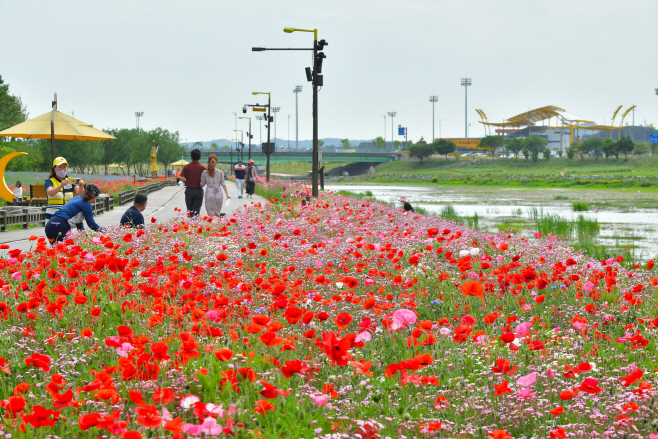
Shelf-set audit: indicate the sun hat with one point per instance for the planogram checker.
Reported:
(59, 161)
(250, 161)
(403, 199)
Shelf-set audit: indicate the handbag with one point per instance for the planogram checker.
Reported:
(250, 179)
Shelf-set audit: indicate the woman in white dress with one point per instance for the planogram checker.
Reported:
(213, 180)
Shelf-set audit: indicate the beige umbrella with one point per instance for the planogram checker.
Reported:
(55, 125)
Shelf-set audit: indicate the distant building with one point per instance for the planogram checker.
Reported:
(465, 144)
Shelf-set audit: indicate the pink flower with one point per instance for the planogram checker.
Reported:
(580, 326)
(123, 350)
(527, 380)
(16, 275)
(522, 329)
(526, 393)
(369, 282)
(473, 275)
(444, 331)
(320, 400)
(550, 373)
(403, 317)
(363, 336)
(588, 286)
(188, 401)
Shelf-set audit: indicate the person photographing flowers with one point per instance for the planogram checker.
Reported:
(58, 187)
(72, 215)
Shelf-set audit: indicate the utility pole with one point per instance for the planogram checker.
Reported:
(297, 90)
(633, 123)
(275, 110)
(384, 130)
(288, 132)
(138, 114)
(433, 100)
(465, 83)
(392, 115)
(260, 118)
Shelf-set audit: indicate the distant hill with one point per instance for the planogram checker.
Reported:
(281, 143)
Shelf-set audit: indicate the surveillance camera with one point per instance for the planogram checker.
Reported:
(244, 109)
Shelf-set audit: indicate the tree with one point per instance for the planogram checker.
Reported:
(571, 152)
(491, 143)
(608, 148)
(12, 110)
(214, 146)
(526, 152)
(592, 146)
(421, 149)
(640, 148)
(515, 145)
(320, 144)
(625, 146)
(579, 148)
(534, 145)
(444, 147)
(547, 153)
(560, 152)
(379, 143)
(345, 144)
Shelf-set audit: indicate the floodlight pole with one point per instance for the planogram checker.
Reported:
(466, 82)
(275, 110)
(433, 100)
(392, 115)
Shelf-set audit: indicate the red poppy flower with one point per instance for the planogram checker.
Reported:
(632, 377)
(160, 351)
(224, 354)
(558, 433)
(503, 367)
(39, 361)
(337, 349)
(293, 367)
(148, 416)
(557, 411)
(342, 320)
(502, 388)
(590, 385)
(472, 288)
(263, 406)
(500, 434)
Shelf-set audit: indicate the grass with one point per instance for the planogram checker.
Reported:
(580, 206)
(448, 212)
(554, 224)
(560, 197)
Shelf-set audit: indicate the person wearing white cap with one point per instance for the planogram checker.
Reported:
(58, 187)
(252, 175)
(405, 203)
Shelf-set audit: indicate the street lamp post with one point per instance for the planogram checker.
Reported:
(288, 131)
(297, 90)
(240, 142)
(249, 135)
(275, 110)
(313, 75)
(384, 116)
(433, 100)
(235, 113)
(269, 119)
(392, 115)
(138, 114)
(260, 118)
(465, 83)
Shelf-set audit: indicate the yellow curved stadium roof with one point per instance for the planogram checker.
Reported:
(531, 117)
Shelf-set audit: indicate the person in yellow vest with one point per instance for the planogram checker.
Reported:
(59, 187)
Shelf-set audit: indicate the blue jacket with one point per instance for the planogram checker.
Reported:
(240, 171)
(132, 218)
(74, 212)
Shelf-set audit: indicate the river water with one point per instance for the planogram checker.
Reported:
(628, 219)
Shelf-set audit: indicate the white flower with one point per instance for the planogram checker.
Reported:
(339, 285)
(475, 251)
(463, 253)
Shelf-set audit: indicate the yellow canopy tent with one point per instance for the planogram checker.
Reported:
(179, 164)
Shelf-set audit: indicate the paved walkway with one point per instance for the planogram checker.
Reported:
(160, 205)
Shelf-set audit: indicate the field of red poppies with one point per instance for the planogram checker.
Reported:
(342, 318)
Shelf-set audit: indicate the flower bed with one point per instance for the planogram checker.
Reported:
(341, 318)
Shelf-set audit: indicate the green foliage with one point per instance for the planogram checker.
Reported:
(526, 152)
(515, 145)
(345, 144)
(640, 148)
(12, 110)
(609, 147)
(421, 149)
(571, 151)
(444, 147)
(533, 145)
(625, 146)
(379, 143)
(592, 146)
(560, 152)
(580, 206)
(491, 143)
(547, 153)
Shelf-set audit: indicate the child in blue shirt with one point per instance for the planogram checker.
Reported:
(133, 216)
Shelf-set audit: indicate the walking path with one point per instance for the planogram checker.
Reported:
(160, 205)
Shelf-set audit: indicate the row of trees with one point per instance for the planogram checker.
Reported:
(607, 148)
(422, 149)
(131, 148)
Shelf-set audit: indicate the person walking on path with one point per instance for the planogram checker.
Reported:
(191, 176)
(72, 214)
(406, 205)
(240, 172)
(252, 175)
(58, 187)
(213, 180)
(133, 216)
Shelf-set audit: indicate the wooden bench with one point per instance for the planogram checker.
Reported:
(38, 194)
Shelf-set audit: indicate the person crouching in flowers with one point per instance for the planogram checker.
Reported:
(72, 214)
(406, 205)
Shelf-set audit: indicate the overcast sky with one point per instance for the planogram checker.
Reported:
(188, 65)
